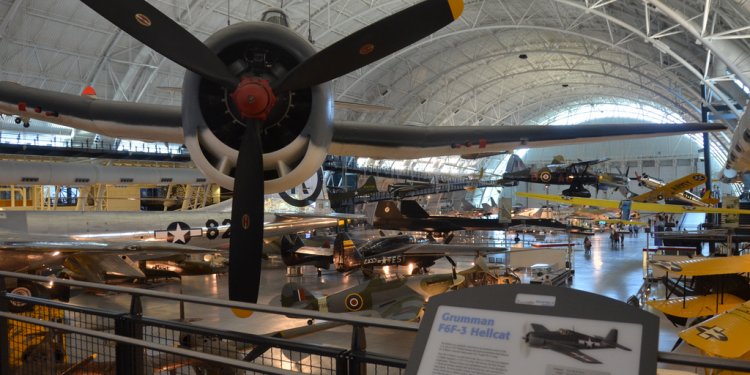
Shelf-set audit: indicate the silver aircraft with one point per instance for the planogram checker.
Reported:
(96, 246)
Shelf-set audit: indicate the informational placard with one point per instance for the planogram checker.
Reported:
(473, 341)
(533, 329)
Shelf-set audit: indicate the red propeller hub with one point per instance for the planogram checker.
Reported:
(254, 98)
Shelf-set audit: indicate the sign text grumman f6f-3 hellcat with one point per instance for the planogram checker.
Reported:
(278, 89)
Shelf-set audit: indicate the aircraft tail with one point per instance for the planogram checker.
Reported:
(611, 339)
(466, 205)
(412, 209)
(294, 295)
(369, 187)
(289, 244)
(708, 199)
(492, 202)
(346, 256)
(387, 210)
(558, 159)
(515, 164)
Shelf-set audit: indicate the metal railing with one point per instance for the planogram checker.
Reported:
(53, 337)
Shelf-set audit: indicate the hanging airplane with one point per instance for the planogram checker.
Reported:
(576, 174)
(400, 189)
(337, 195)
(412, 217)
(570, 343)
(678, 189)
(279, 87)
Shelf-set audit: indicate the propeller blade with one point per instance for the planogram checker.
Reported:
(372, 43)
(153, 28)
(246, 240)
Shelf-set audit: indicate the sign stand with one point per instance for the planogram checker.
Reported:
(533, 329)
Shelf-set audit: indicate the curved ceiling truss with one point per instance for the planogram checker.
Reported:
(658, 52)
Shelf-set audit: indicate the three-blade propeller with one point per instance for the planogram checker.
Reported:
(154, 29)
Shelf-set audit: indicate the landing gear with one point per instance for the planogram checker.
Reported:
(577, 190)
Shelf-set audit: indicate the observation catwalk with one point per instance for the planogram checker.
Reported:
(615, 272)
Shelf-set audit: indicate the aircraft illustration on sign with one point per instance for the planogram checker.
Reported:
(570, 343)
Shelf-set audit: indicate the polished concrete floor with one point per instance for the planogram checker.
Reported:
(613, 272)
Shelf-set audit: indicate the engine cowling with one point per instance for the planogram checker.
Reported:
(298, 131)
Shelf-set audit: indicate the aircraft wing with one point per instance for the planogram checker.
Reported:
(706, 266)
(435, 249)
(679, 209)
(295, 223)
(405, 308)
(113, 118)
(724, 335)
(604, 203)
(312, 250)
(409, 142)
(573, 352)
(673, 188)
(163, 123)
(695, 306)
(120, 247)
(637, 206)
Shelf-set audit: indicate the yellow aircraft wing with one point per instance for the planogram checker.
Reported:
(679, 209)
(605, 203)
(706, 266)
(673, 188)
(625, 222)
(636, 206)
(696, 306)
(724, 335)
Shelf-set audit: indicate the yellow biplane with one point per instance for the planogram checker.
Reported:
(724, 335)
(713, 289)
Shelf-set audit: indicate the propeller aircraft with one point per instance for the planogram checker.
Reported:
(724, 335)
(257, 110)
(398, 297)
(715, 287)
(678, 189)
(575, 174)
(570, 343)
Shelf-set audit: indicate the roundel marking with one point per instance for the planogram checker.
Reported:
(305, 194)
(245, 221)
(354, 302)
(143, 19)
(387, 209)
(178, 232)
(545, 176)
